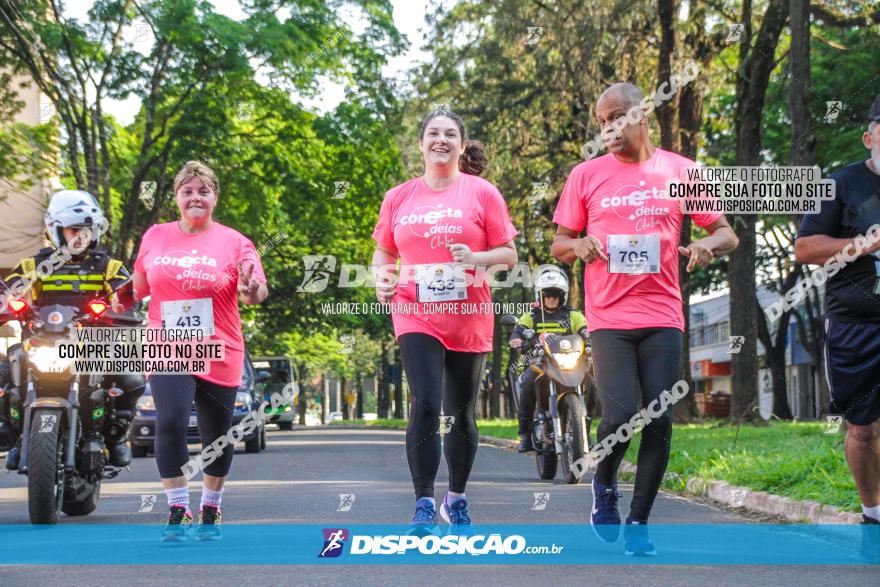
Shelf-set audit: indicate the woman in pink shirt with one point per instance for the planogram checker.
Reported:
(438, 225)
(195, 271)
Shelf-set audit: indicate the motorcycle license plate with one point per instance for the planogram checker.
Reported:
(192, 421)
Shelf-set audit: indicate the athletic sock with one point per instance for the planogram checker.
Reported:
(212, 498)
(873, 512)
(178, 496)
(452, 497)
(433, 501)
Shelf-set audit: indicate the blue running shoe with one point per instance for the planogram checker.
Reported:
(424, 522)
(180, 525)
(605, 519)
(635, 533)
(456, 514)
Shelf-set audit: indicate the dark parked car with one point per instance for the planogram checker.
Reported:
(247, 400)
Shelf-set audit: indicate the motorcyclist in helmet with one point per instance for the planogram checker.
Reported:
(549, 314)
(80, 271)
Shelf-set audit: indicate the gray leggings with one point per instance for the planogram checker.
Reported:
(625, 362)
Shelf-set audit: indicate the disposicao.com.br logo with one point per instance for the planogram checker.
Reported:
(394, 544)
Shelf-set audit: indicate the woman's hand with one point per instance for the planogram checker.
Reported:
(251, 290)
(247, 283)
(384, 290)
(461, 253)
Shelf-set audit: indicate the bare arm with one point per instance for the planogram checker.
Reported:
(563, 248)
(816, 249)
(722, 239)
(501, 255)
(141, 288)
(384, 285)
(567, 248)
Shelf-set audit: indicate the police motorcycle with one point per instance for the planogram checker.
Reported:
(560, 428)
(63, 451)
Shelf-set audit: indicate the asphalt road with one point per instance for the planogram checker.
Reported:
(298, 479)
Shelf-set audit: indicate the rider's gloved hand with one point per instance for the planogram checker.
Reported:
(515, 343)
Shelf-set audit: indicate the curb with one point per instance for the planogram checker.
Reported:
(722, 492)
(792, 510)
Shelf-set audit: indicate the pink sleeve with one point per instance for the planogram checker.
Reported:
(704, 219)
(249, 254)
(496, 222)
(383, 234)
(571, 211)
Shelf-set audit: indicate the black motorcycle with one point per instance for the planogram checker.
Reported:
(65, 415)
(561, 427)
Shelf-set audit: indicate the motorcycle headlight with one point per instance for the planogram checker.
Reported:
(242, 399)
(566, 361)
(46, 359)
(145, 403)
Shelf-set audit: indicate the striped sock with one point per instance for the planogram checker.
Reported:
(178, 496)
(211, 498)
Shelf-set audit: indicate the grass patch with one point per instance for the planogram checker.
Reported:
(793, 459)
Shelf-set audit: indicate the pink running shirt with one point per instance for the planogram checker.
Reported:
(184, 266)
(417, 223)
(607, 196)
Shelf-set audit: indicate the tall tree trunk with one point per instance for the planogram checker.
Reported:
(667, 113)
(346, 409)
(303, 395)
(756, 64)
(774, 347)
(802, 139)
(495, 388)
(359, 405)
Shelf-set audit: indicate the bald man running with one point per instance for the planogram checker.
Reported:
(632, 298)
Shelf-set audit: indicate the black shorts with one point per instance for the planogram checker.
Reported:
(852, 368)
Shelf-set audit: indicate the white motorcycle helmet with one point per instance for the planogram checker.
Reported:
(73, 209)
(551, 277)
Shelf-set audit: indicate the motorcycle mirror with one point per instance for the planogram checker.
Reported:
(508, 320)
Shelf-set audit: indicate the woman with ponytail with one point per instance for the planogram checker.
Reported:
(443, 226)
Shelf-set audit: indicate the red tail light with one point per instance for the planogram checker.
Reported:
(97, 308)
(18, 306)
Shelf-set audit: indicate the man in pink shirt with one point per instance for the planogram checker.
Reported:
(632, 298)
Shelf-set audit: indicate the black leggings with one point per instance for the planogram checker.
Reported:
(526, 412)
(435, 373)
(173, 396)
(626, 361)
